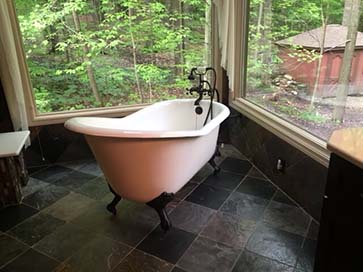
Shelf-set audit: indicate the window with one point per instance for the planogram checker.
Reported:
(84, 54)
(305, 62)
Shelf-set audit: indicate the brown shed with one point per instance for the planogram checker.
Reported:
(334, 44)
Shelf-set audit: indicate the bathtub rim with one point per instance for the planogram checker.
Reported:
(81, 125)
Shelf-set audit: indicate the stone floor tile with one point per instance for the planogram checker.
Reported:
(287, 217)
(190, 217)
(70, 206)
(208, 196)
(31, 261)
(101, 254)
(245, 206)
(11, 216)
(36, 228)
(229, 230)
(139, 261)
(224, 180)
(251, 262)
(10, 248)
(169, 246)
(236, 166)
(275, 244)
(206, 255)
(64, 242)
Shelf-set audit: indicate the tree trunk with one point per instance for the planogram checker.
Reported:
(320, 60)
(208, 33)
(150, 91)
(98, 12)
(182, 44)
(266, 41)
(134, 56)
(258, 30)
(90, 72)
(67, 52)
(53, 39)
(174, 8)
(347, 12)
(346, 66)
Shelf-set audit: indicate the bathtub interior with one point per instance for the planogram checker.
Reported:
(175, 115)
(174, 118)
(170, 116)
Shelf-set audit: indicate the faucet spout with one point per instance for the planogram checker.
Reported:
(196, 103)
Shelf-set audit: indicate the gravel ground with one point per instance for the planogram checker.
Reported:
(322, 128)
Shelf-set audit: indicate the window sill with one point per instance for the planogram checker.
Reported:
(61, 117)
(297, 137)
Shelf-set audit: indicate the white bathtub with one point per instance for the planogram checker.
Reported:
(157, 149)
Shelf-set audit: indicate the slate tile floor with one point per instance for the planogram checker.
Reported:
(237, 221)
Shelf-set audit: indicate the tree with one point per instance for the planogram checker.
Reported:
(131, 18)
(346, 65)
(266, 40)
(348, 4)
(324, 22)
(90, 73)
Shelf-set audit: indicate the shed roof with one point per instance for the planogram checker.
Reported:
(336, 36)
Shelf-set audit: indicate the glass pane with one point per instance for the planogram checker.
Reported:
(84, 54)
(303, 63)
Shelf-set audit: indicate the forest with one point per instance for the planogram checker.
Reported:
(99, 53)
(303, 63)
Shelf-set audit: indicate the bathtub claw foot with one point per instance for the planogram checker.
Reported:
(159, 205)
(111, 207)
(214, 165)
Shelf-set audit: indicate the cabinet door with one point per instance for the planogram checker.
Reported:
(341, 229)
(349, 216)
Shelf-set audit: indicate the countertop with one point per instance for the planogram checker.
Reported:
(11, 143)
(348, 143)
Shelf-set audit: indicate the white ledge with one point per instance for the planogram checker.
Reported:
(11, 143)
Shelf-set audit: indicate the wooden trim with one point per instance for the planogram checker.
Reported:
(216, 52)
(241, 91)
(295, 136)
(238, 47)
(61, 117)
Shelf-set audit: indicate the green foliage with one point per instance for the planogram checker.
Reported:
(42, 99)
(302, 114)
(271, 21)
(313, 116)
(61, 56)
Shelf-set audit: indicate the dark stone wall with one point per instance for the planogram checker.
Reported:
(49, 144)
(303, 179)
(54, 143)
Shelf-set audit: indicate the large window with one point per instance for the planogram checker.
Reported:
(305, 62)
(100, 53)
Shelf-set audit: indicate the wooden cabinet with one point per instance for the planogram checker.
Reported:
(340, 242)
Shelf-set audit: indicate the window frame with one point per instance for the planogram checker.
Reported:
(299, 138)
(39, 119)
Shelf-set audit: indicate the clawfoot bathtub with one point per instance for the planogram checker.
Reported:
(151, 154)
